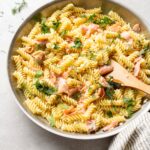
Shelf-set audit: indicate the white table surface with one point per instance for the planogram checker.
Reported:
(17, 132)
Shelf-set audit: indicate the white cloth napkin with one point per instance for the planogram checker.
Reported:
(135, 137)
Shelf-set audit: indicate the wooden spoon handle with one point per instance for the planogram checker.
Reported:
(137, 84)
(122, 76)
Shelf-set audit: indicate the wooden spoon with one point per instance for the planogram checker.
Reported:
(121, 75)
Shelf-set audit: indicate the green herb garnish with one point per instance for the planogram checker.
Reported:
(38, 74)
(144, 51)
(109, 92)
(109, 114)
(104, 21)
(63, 33)
(56, 24)
(130, 111)
(45, 89)
(76, 95)
(19, 7)
(115, 85)
(91, 18)
(44, 27)
(91, 55)
(52, 121)
(130, 103)
(77, 43)
(39, 86)
(112, 85)
(37, 17)
(55, 46)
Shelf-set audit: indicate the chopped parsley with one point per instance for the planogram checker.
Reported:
(130, 103)
(55, 46)
(144, 51)
(56, 24)
(104, 21)
(63, 33)
(37, 17)
(19, 7)
(38, 74)
(112, 86)
(109, 114)
(115, 85)
(76, 95)
(109, 92)
(91, 55)
(130, 111)
(45, 89)
(44, 27)
(77, 43)
(92, 18)
(52, 121)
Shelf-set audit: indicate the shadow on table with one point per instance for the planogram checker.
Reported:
(51, 141)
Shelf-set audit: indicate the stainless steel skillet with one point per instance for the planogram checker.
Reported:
(46, 10)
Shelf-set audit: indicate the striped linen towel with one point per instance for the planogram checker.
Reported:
(135, 137)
